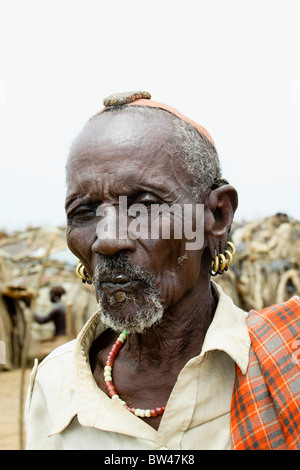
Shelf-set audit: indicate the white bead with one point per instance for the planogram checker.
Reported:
(107, 373)
(147, 413)
(142, 413)
(137, 412)
(115, 397)
(122, 401)
(107, 368)
(108, 378)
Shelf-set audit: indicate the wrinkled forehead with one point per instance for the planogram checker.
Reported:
(115, 137)
(120, 153)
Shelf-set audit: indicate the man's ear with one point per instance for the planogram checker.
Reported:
(221, 206)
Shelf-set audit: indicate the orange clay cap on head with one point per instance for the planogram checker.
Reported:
(143, 98)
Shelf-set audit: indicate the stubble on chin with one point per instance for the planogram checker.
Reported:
(132, 315)
(139, 310)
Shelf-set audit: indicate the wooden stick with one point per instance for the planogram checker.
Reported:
(69, 321)
(27, 339)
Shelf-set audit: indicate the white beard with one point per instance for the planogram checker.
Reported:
(144, 311)
(142, 319)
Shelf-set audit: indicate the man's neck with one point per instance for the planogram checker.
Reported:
(179, 335)
(147, 365)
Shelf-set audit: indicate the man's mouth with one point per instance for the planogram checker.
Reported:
(113, 283)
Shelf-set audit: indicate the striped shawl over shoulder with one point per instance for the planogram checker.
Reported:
(265, 412)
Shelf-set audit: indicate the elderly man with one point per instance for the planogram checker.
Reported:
(168, 361)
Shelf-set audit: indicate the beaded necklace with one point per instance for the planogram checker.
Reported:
(142, 413)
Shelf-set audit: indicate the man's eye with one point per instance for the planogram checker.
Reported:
(147, 200)
(146, 203)
(82, 214)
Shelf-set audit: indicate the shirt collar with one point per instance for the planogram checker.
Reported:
(81, 396)
(228, 331)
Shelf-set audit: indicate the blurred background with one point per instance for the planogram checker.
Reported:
(232, 66)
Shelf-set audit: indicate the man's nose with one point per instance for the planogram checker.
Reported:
(110, 246)
(112, 236)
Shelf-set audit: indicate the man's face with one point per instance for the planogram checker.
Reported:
(124, 154)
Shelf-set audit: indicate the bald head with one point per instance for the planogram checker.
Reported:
(192, 150)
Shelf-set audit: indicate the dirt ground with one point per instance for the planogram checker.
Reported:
(10, 386)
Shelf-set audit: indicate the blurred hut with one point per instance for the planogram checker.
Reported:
(266, 267)
(266, 270)
(22, 256)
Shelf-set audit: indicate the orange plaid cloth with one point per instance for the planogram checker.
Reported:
(265, 411)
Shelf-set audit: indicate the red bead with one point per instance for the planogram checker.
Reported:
(111, 388)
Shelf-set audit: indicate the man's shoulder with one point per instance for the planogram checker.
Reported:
(47, 377)
(283, 312)
(61, 354)
(54, 366)
(275, 325)
(291, 305)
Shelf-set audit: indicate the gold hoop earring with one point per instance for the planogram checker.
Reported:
(82, 274)
(214, 266)
(229, 258)
(222, 262)
(233, 249)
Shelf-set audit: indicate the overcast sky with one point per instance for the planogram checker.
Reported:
(231, 65)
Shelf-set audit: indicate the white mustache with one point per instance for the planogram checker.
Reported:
(118, 269)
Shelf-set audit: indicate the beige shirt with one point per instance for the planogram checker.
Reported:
(65, 409)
